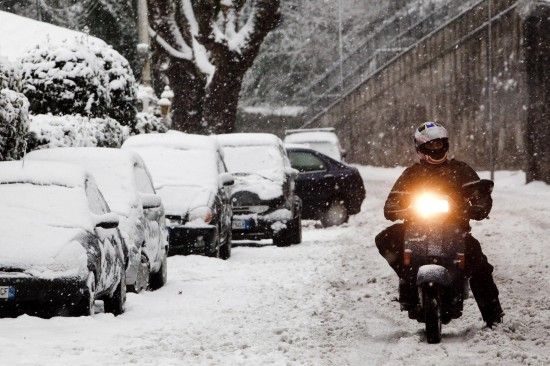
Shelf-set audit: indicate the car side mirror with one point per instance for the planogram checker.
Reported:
(292, 173)
(226, 180)
(344, 154)
(149, 201)
(107, 221)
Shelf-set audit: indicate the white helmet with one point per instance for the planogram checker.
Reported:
(427, 132)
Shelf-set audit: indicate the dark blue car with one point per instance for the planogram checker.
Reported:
(331, 191)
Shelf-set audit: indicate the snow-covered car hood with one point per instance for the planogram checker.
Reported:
(265, 188)
(42, 250)
(178, 200)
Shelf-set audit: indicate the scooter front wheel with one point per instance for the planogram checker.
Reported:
(431, 302)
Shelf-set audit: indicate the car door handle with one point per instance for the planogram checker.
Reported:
(329, 176)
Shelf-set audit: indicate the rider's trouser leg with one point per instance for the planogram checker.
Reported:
(390, 244)
(481, 281)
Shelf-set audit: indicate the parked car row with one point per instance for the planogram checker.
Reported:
(86, 224)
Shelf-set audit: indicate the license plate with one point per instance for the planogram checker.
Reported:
(241, 224)
(7, 292)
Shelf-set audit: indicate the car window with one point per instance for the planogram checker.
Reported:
(143, 182)
(306, 162)
(96, 202)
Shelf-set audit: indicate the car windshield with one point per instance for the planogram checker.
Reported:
(262, 160)
(173, 167)
(327, 148)
(51, 205)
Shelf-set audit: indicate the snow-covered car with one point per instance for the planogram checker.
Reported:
(126, 184)
(61, 248)
(323, 140)
(265, 205)
(189, 174)
(331, 191)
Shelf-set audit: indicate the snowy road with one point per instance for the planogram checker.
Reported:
(327, 301)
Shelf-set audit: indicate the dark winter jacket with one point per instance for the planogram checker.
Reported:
(451, 178)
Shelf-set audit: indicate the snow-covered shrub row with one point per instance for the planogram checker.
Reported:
(149, 123)
(14, 124)
(79, 77)
(149, 120)
(14, 113)
(47, 131)
(10, 77)
(121, 85)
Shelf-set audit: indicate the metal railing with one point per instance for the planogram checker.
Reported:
(397, 35)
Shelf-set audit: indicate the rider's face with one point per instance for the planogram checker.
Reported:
(434, 145)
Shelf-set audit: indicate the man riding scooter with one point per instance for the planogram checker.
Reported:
(453, 176)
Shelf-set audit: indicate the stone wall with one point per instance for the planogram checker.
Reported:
(444, 78)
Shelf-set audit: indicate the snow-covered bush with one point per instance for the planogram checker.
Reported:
(14, 113)
(149, 119)
(149, 123)
(14, 124)
(80, 76)
(10, 77)
(121, 85)
(65, 78)
(47, 131)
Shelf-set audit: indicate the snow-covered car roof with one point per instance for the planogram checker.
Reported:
(174, 140)
(21, 34)
(248, 139)
(182, 178)
(112, 169)
(312, 136)
(42, 173)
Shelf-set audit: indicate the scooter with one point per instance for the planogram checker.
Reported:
(435, 284)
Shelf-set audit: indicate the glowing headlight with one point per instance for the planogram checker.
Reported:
(203, 214)
(428, 204)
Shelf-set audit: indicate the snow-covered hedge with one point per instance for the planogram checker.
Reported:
(14, 113)
(14, 124)
(77, 77)
(47, 131)
(65, 78)
(10, 77)
(121, 85)
(149, 123)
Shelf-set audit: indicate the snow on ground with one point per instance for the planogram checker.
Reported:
(327, 301)
(25, 33)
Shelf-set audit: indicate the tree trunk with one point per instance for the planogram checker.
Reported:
(222, 99)
(189, 92)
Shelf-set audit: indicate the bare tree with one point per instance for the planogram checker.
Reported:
(209, 45)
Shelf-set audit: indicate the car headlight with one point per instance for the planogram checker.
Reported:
(258, 209)
(202, 213)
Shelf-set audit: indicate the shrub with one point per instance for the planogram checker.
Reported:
(47, 131)
(14, 114)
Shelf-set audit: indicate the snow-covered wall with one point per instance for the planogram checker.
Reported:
(443, 77)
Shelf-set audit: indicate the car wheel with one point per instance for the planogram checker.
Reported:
(215, 253)
(225, 250)
(86, 305)
(296, 231)
(282, 238)
(336, 214)
(116, 303)
(143, 275)
(158, 279)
